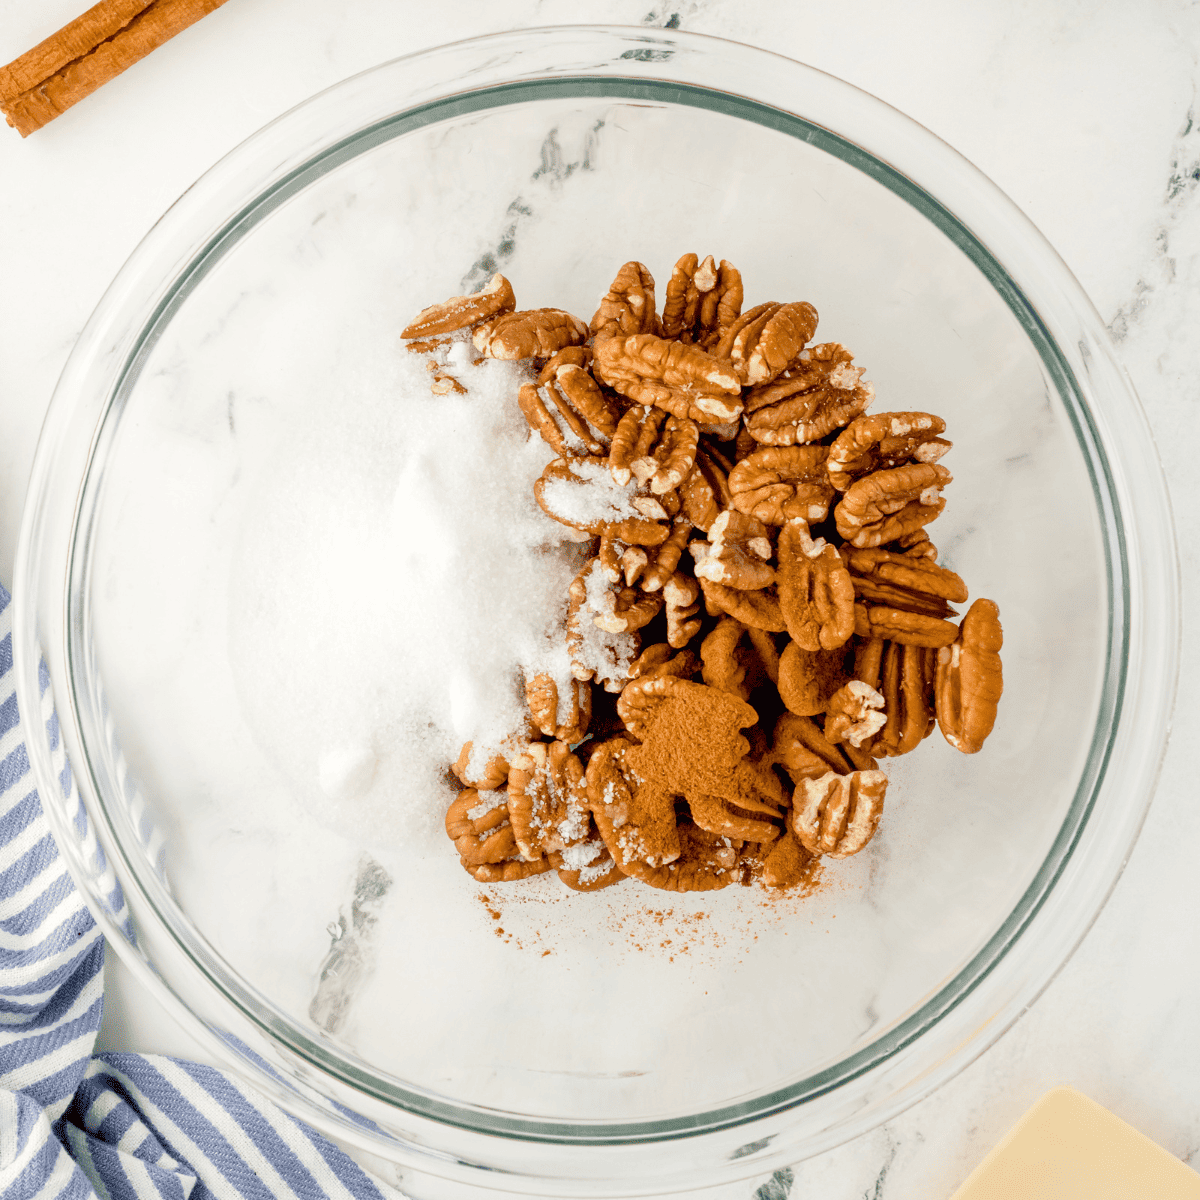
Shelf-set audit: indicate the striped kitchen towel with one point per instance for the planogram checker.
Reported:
(113, 1126)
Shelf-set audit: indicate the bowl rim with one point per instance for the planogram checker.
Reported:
(1141, 558)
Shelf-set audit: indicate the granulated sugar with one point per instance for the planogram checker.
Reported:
(396, 541)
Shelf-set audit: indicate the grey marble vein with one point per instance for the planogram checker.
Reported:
(350, 956)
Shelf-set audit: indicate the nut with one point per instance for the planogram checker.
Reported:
(808, 679)
(910, 583)
(906, 681)
(804, 752)
(511, 870)
(486, 775)
(532, 332)
(683, 379)
(884, 441)
(543, 696)
(767, 340)
(816, 595)
(460, 311)
(838, 814)
(641, 698)
(647, 567)
(636, 822)
(853, 714)
(777, 483)
(907, 628)
(595, 653)
(547, 799)
(478, 825)
(659, 449)
(628, 306)
(681, 594)
(914, 545)
(970, 680)
(706, 862)
(759, 610)
(733, 667)
(730, 818)
(702, 300)
(722, 667)
(657, 660)
(568, 409)
(786, 864)
(705, 492)
(889, 504)
(736, 554)
(808, 401)
(596, 868)
(581, 493)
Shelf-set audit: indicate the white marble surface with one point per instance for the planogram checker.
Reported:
(1082, 114)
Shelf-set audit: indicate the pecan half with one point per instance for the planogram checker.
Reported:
(838, 814)
(884, 441)
(683, 379)
(889, 504)
(759, 610)
(702, 300)
(705, 492)
(853, 714)
(907, 628)
(582, 494)
(529, 333)
(567, 722)
(649, 567)
(808, 679)
(735, 819)
(970, 679)
(706, 862)
(765, 341)
(510, 871)
(478, 825)
(682, 594)
(914, 545)
(804, 752)
(906, 681)
(808, 401)
(907, 582)
(568, 409)
(596, 653)
(778, 483)
(460, 311)
(659, 449)
(816, 595)
(547, 799)
(588, 866)
(485, 775)
(658, 660)
(734, 667)
(737, 553)
(786, 864)
(628, 306)
(636, 822)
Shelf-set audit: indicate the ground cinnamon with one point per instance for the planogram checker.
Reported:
(84, 55)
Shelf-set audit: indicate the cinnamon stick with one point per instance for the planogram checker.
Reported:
(87, 53)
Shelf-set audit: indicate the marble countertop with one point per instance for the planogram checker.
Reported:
(1084, 114)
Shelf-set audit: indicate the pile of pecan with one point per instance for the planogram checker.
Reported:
(761, 615)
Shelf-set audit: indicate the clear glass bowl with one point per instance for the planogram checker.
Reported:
(616, 1064)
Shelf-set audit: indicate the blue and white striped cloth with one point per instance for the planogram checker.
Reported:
(113, 1126)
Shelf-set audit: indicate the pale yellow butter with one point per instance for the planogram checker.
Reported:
(1069, 1148)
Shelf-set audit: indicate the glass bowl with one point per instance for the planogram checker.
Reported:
(576, 1045)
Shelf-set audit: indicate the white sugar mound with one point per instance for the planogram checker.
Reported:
(393, 582)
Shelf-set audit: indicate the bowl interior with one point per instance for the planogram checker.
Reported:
(246, 622)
